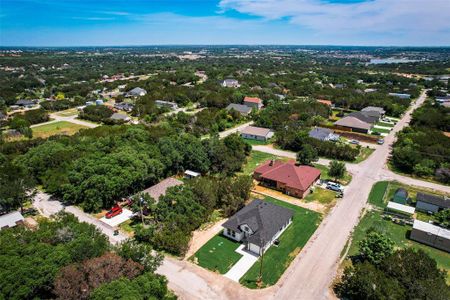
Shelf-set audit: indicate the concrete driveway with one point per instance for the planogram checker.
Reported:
(243, 265)
(119, 219)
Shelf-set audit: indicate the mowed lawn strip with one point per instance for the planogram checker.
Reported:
(376, 195)
(61, 127)
(323, 196)
(399, 234)
(256, 159)
(218, 254)
(277, 259)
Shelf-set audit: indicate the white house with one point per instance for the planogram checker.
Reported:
(258, 225)
(256, 133)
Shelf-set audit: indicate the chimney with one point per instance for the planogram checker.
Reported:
(271, 162)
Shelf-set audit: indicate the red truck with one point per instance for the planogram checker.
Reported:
(115, 210)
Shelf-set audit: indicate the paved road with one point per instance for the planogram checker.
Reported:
(48, 206)
(72, 119)
(234, 130)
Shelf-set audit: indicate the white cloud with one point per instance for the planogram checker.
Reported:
(397, 17)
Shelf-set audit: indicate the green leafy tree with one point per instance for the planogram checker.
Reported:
(16, 186)
(443, 217)
(337, 169)
(307, 155)
(145, 286)
(365, 281)
(375, 247)
(140, 253)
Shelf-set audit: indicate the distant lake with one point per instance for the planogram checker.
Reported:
(379, 61)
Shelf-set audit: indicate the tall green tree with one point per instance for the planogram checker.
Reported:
(375, 247)
(307, 155)
(337, 169)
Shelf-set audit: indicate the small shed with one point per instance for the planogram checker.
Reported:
(188, 174)
(400, 196)
(400, 209)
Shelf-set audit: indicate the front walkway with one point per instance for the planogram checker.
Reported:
(243, 265)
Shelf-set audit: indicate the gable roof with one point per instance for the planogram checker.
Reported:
(119, 116)
(137, 91)
(298, 177)
(258, 131)
(252, 100)
(320, 133)
(374, 108)
(366, 116)
(240, 108)
(432, 229)
(25, 102)
(401, 192)
(264, 218)
(160, 189)
(440, 201)
(353, 122)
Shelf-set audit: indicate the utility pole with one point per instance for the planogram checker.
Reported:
(261, 263)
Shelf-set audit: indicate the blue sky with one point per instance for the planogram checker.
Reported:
(150, 22)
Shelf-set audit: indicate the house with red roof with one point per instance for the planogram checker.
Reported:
(253, 102)
(288, 177)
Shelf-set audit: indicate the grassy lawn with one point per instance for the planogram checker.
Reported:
(324, 169)
(399, 234)
(380, 130)
(217, 255)
(256, 142)
(61, 127)
(257, 158)
(377, 193)
(68, 112)
(363, 154)
(277, 259)
(384, 124)
(322, 196)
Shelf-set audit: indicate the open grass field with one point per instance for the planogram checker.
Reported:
(399, 234)
(61, 127)
(322, 196)
(217, 255)
(277, 259)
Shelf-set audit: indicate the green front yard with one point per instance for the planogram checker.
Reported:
(257, 142)
(384, 124)
(380, 130)
(277, 259)
(217, 255)
(320, 195)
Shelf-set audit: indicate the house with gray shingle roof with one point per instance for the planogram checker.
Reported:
(160, 189)
(242, 109)
(258, 225)
(136, 92)
(323, 134)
